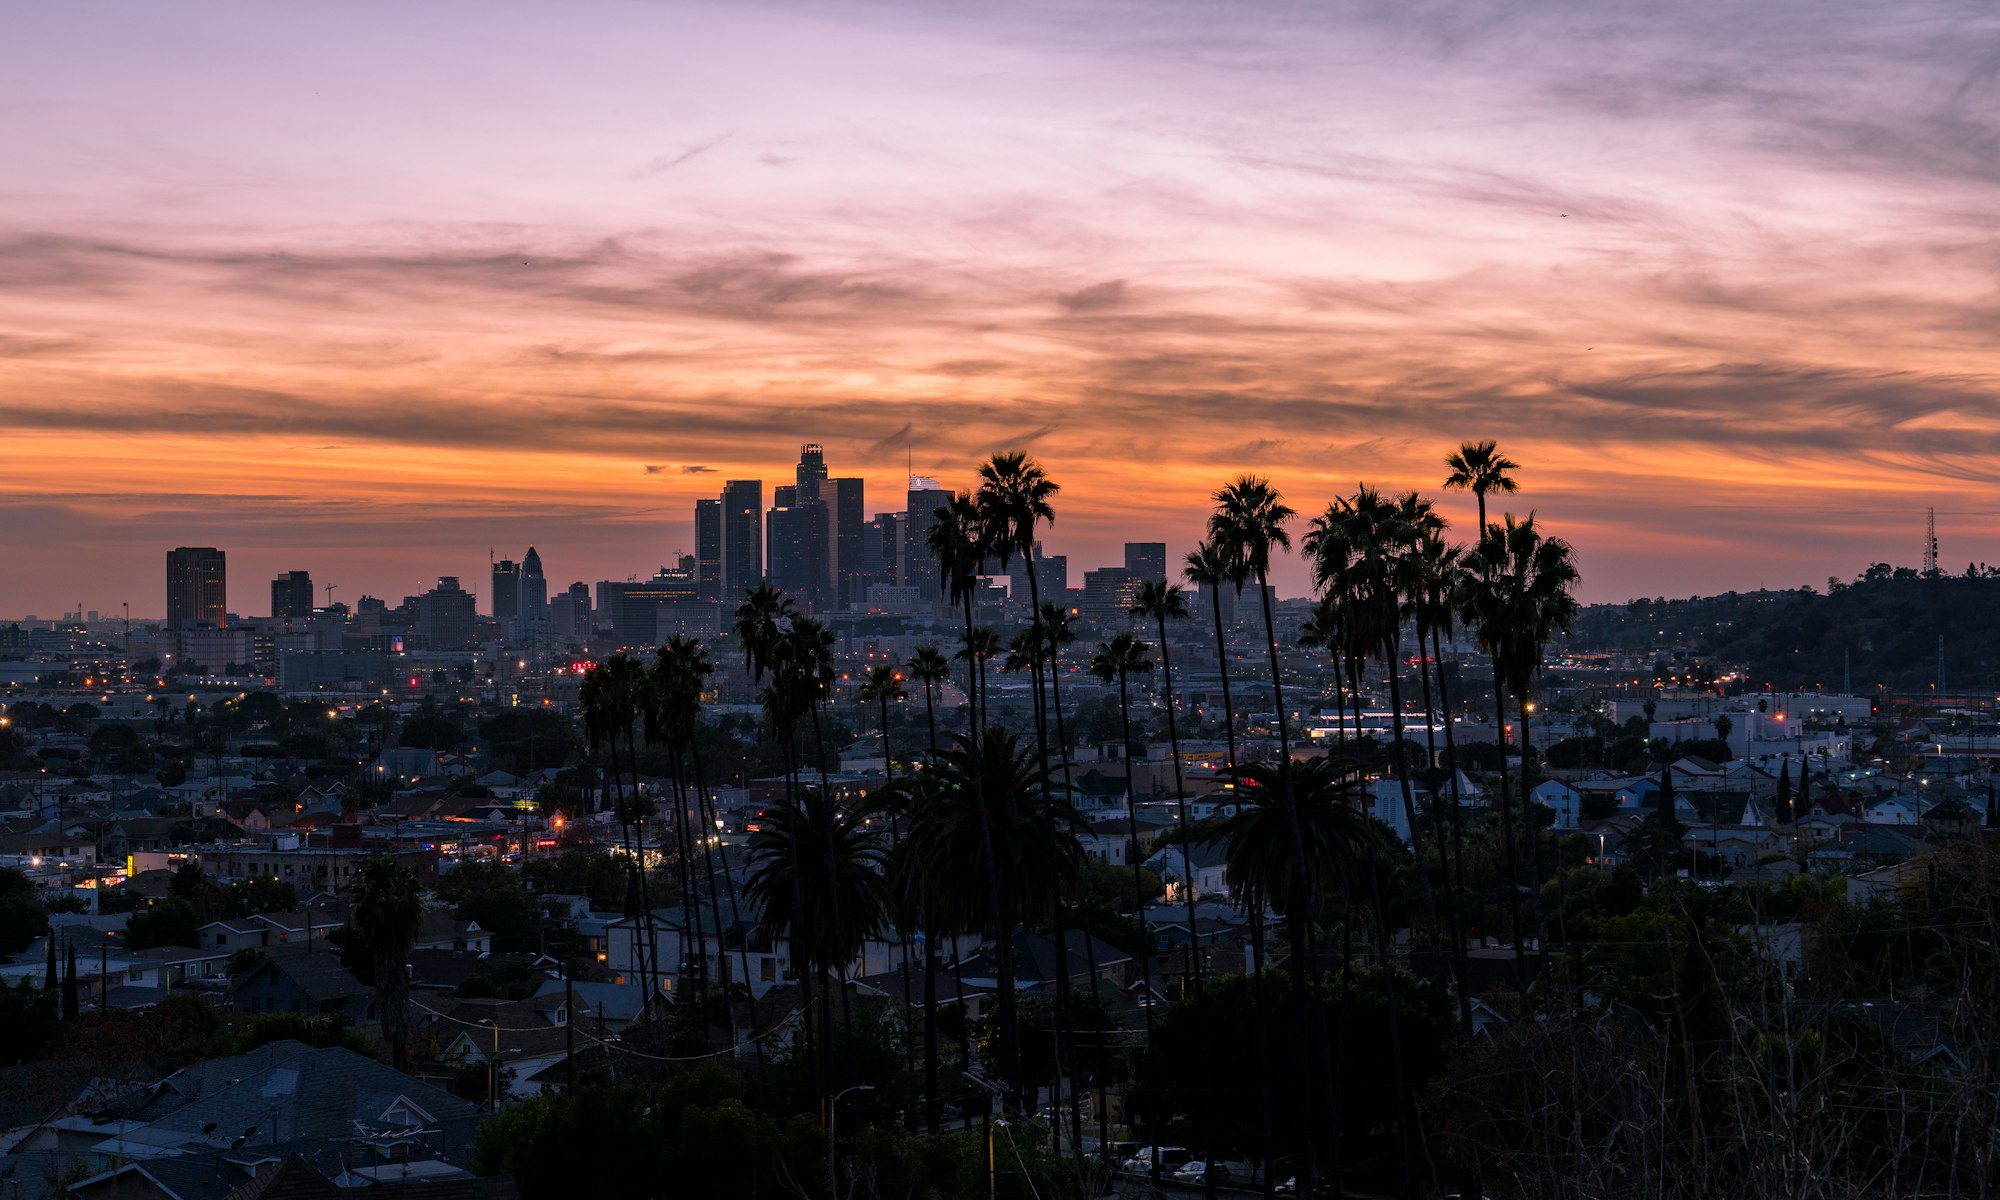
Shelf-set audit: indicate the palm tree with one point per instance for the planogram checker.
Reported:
(994, 847)
(884, 684)
(1439, 576)
(388, 911)
(1165, 602)
(1292, 827)
(982, 645)
(1480, 468)
(929, 667)
(1522, 594)
(680, 677)
(1014, 495)
(957, 543)
(1248, 521)
(819, 870)
(611, 695)
(1116, 661)
(1210, 565)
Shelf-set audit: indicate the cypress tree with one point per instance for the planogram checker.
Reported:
(1784, 801)
(71, 1008)
(1664, 802)
(49, 976)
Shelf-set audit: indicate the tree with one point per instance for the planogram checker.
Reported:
(388, 912)
(1211, 566)
(883, 685)
(929, 667)
(1248, 523)
(1480, 468)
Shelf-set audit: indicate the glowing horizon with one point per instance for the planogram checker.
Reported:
(365, 291)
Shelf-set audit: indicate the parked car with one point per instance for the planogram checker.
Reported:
(1290, 1187)
(1171, 1159)
(1226, 1170)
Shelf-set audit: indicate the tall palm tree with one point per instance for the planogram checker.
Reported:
(1014, 496)
(883, 685)
(957, 543)
(1293, 827)
(1117, 661)
(818, 868)
(1438, 576)
(1480, 468)
(929, 667)
(1248, 522)
(1211, 566)
(1164, 602)
(388, 911)
(611, 695)
(982, 646)
(1529, 585)
(994, 846)
(684, 668)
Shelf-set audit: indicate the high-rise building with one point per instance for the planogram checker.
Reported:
(534, 588)
(447, 616)
(850, 555)
(881, 551)
(1147, 561)
(788, 530)
(1051, 578)
(292, 595)
(811, 474)
(197, 587)
(506, 594)
(646, 612)
(742, 538)
(1108, 596)
(708, 548)
(920, 571)
(569, 613)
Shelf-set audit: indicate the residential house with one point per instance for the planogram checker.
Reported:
(301, 981)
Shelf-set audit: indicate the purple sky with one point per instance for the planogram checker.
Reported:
(367, 289)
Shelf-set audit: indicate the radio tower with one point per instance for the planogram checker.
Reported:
(1930, 542)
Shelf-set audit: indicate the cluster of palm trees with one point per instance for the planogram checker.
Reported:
(978, 835)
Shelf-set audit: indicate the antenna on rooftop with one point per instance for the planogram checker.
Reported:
(1930, 542)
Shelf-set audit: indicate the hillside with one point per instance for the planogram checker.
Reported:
(1888, 622)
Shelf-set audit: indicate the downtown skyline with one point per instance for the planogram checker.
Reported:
(367, 292)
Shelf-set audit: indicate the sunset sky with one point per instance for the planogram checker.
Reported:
(366, 289)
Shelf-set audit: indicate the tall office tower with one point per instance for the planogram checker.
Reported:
(197, 587)
(1051, 578)
(1147, 561)
(292, 594)
(708, 548)
(447, 615)
(786, 533)
(569, 613)
(849, 561)
(1202, 602)
(506, 594)
(811, 475)
(742, 538)
(1108, 595)
(919, 568)
(881, 551)
(534, 588)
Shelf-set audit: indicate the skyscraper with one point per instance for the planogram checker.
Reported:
(850, 556)
(786, 564)
(1051, 578)
(882, 551)
(197, 587)
(708, 548)
(569, 613)
(506, 594)
(534, 588)
(742, 538)
(1147, 561)
(1108, 596)
(292, 595)
(447, 615)
(926, 496)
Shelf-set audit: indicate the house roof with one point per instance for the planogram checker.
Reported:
(317, 973)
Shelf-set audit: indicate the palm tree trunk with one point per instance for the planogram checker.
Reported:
(1296, 918)
(1396, 1068)
(1203, 1125)
(1277, 682)
(1138, 898)
(1508, 847)
(735, 913)
(1392, 662)
(1454, 895)
(1222, 663)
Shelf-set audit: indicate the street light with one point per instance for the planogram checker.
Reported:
(833, 1132)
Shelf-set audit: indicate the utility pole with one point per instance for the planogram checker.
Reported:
(1930, 542)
